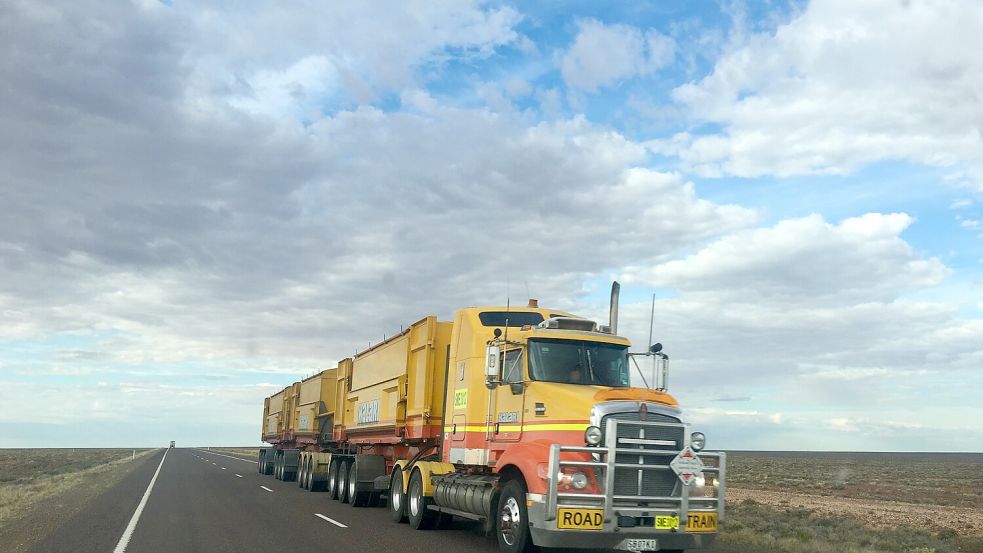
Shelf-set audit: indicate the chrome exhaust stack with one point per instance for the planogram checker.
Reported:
(613, 313)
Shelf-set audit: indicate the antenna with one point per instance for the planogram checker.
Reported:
(651, 323)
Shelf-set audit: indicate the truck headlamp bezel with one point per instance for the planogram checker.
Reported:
(697, 441)
(593, 435)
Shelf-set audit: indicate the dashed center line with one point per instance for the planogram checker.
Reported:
(231, 457)
(267, 489)
(239, 475)
(223, 468)
(331, 520)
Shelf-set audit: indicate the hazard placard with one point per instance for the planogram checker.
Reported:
(687, 466)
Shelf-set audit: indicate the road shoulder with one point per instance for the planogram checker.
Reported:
(22, 532)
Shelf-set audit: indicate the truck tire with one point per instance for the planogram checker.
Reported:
(356, 498)
(308, 473)
(512, 529)
(313, 483)
(343, 482)
(421, 518)
(301, 473)
(397, 498)
(333, 479)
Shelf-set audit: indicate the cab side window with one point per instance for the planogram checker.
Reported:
(512, 366)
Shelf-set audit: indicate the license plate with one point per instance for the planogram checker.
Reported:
(580, 519)
(701, 522)
(636, 545)
(666, 522)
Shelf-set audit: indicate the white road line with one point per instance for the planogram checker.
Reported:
(213, 462)
(124, 540)
(231, 457)
(267, 489)
(331, 520)
(239, 475)
(223, 468)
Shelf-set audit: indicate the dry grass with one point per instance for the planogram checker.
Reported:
(793, 530)
(825, 502)
(953, 479)
(28, 476)
(251, 453)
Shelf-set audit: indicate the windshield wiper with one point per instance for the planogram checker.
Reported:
(590, 365)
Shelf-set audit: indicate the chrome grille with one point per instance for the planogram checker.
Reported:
(645, 482)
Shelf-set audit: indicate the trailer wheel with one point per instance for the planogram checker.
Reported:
(420, 516)
(513, 520)
(343, 482)
(355, 497)
(301, 473)
(309, 473)
(313, 484)
(397, 498)
(333, 479)
(277, 466)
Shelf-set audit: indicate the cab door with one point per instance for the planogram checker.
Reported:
(509, 398)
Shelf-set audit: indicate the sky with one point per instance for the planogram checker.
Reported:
(203, 202)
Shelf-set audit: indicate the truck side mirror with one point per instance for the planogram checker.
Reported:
(493, 360)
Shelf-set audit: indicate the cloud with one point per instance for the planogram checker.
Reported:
(809, 317)
(602, 55)
(806, 260)
(842, 85)
(173, 228)
(191, 215)
(333, 55)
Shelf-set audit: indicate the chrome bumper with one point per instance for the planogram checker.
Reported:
(543, 515)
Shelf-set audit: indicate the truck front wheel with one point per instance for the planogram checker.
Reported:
(513, 520)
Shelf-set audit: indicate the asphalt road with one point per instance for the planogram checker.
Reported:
(207, 502)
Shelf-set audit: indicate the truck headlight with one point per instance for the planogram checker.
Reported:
(578, 480)
(697, 441)
(592, 435)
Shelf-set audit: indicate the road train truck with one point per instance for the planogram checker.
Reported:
(530, 421)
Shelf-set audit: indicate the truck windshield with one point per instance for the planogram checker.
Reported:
(576, 362)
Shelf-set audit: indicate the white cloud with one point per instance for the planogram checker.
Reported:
(807, 260)
(841, 85)
(293, 62)
(602, 55)
(808, 317)
(160, 226)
